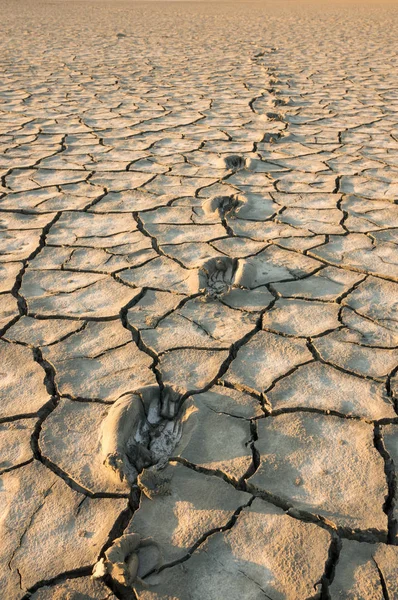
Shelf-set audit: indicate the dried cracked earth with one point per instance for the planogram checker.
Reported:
(199, 301)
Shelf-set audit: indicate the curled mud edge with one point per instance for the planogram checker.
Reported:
(122, 563)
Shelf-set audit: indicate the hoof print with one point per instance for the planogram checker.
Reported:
(139, 431)
(221, 205)
(162, 429)
(234, 162)
(122, 560)
(216, 276)
(164, 439)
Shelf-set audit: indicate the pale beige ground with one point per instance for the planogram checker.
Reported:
(199, 267)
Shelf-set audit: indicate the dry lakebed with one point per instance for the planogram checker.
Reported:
(198, 300)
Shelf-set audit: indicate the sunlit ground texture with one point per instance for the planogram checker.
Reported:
(199, 300)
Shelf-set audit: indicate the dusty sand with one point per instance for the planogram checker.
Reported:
(199, 300)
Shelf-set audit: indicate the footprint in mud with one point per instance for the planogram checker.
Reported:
(216, 276)
(222, 205)
(272, 116)
(234, 162)
(271, 138)
(268, 50)
(140, 430)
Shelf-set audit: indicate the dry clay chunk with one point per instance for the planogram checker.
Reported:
(317, 221)
(394, 385)
(164, 274)
(15, 448)
(269, 230)
(274, 264)
(8, 275)
(22, 387)
(316, 385)
(327, 284)
(77, 228)
(214, 441)
(376, 299)
(363, 569)
(323, 465)
(359, 252)
(231, 402)
(41, 332)
(199, 323)
(366, 332)
(247, 562)
(263, 359)
(248, 300)
(368, 362)
(191, 254)
(301, 318)
(390, 438)
(153, 305)
(70, 438)
(179, 234)
(16, 245)
(88, 363)
(191, 369)
(70, 294)
(41, 512)
(8, 309)
(191, 504)
(123, 563)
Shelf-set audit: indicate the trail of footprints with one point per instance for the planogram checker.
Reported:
(199, 303)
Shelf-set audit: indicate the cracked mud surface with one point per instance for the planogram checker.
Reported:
(198, 301)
